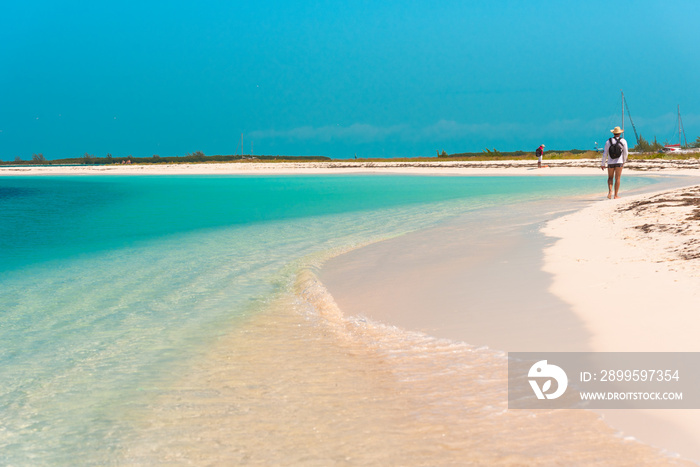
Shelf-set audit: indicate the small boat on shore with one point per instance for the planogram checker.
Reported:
(681, 137)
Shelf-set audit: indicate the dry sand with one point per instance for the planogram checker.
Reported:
(651, 244)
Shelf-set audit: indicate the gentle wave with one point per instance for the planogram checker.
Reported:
(302, 384)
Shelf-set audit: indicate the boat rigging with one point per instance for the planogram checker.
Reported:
(681, 131)
(625, 106)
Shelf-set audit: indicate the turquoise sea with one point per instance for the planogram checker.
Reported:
(110, 285)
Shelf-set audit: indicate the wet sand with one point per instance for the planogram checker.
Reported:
(531, 280)
(476, 279)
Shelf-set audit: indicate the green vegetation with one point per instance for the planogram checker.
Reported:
(495, 155)
(644, 146)
(643, 150)
(495, 152)
(197, 156)
(666, 155)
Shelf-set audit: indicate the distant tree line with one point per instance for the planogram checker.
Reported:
(643, 146)
(506, 154)
(197, 156)
(36, 159)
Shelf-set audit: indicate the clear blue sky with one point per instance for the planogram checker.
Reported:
(373, 78)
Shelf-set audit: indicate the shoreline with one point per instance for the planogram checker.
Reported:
(448, 281)
(674, 431)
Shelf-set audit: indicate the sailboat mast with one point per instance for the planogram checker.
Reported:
(680, 143)
(685, 139)
(623, 110)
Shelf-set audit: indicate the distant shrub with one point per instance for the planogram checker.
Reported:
(495, 152)
(645, 146)
(88, 159)
(197, 156)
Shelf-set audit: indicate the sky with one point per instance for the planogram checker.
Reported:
(368, 78)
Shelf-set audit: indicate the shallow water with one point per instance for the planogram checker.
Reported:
(149, 319)
(300, 384)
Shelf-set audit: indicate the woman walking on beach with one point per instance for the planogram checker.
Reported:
(615, 153)
(539, 153)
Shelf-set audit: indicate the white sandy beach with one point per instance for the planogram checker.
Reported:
(505, 167)
(653, 247)
(650, 243)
